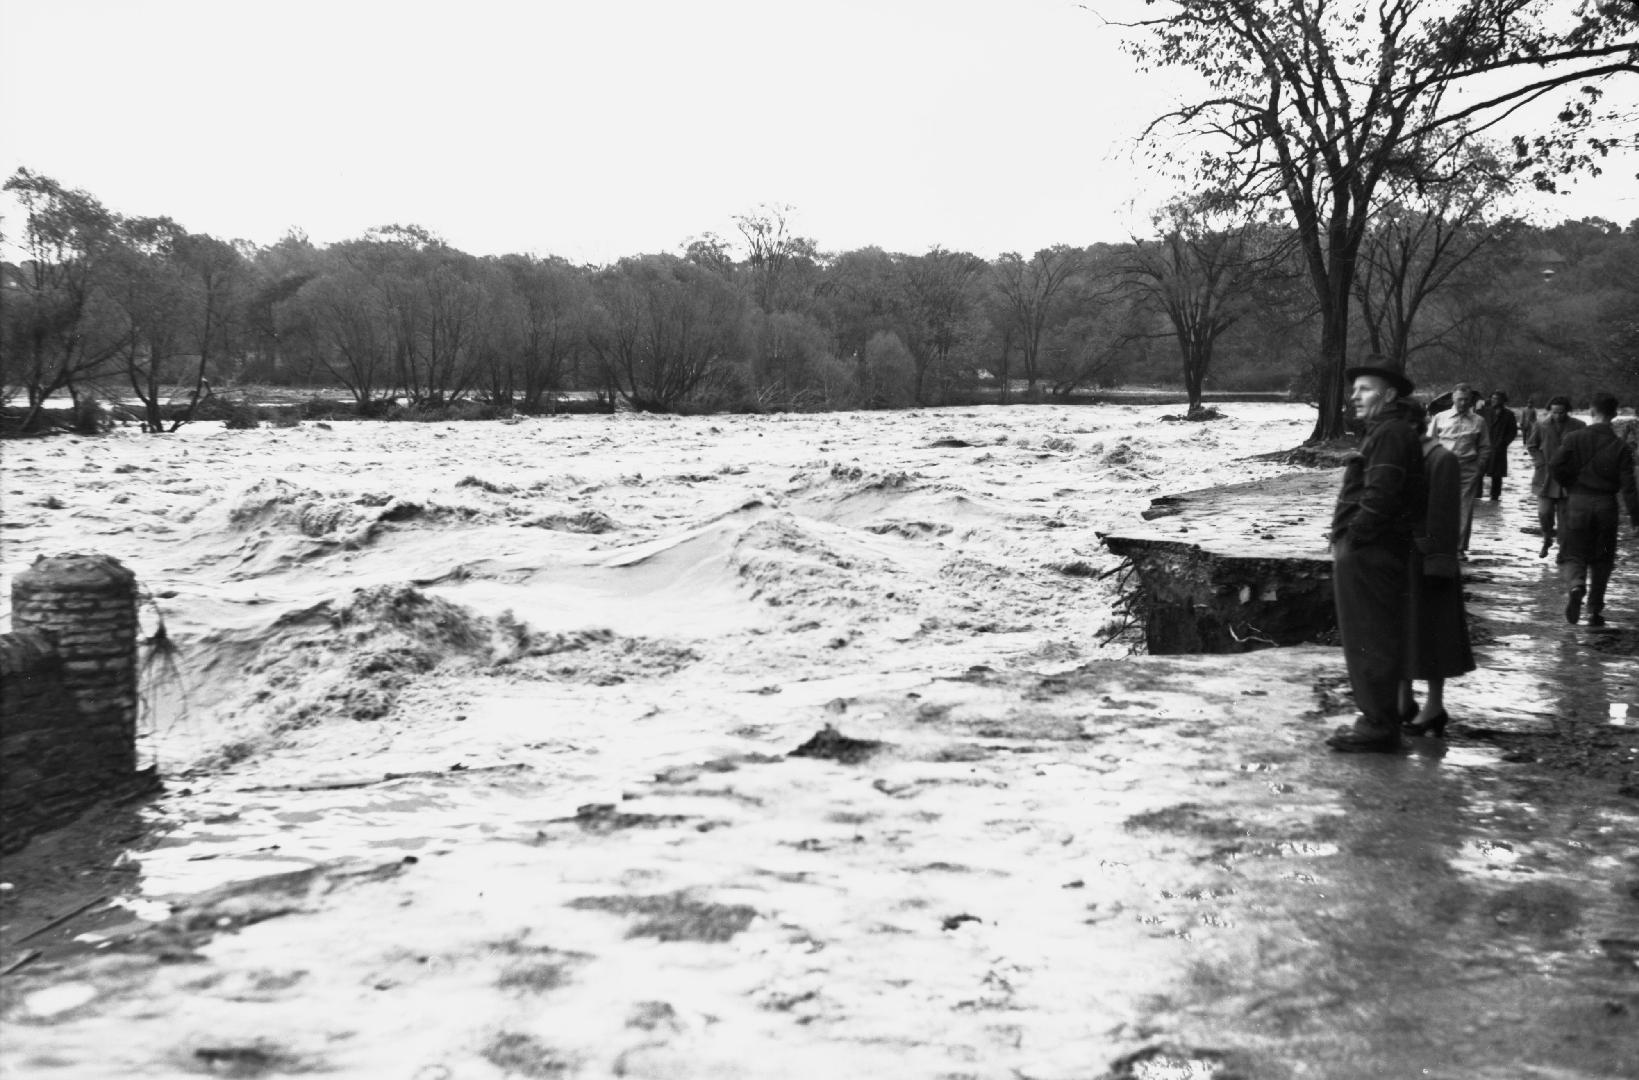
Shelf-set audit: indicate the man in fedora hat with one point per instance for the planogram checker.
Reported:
(1382, 497)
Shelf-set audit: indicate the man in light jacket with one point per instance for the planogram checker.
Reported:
(1465, 433)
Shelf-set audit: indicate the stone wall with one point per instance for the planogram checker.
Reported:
(68, 694)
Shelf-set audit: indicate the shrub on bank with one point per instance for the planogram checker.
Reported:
(88, 417)
(452, 411)
(323, 408)
(240, 416)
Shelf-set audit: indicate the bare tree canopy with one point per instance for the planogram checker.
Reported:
(1203, 273)
(1315, 104)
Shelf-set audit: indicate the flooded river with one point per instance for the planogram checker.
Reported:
(970, 856)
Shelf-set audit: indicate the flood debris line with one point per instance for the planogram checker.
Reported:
(387, 778)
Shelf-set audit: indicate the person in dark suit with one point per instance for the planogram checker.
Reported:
(1596, 466)
(1381, 498)
(1542, 444)
(1504, 426)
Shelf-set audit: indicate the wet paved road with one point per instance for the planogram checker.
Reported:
(1539, 675)
(1138, 869)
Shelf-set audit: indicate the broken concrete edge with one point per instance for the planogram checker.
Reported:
(1192, 600)
(1256, 574)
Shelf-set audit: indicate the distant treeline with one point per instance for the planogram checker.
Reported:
(115, 307)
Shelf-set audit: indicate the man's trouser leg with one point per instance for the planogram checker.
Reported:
(1369, 584)
(1576, 543)
(1602, 553)
(1548, 517)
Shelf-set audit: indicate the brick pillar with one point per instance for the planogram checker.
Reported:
(87, 605)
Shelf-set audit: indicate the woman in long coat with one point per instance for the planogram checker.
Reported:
(1438, 646)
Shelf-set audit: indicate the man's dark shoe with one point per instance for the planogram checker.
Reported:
(1596, 619)
(1547, 546)
(1348, 740)
(1573, 606)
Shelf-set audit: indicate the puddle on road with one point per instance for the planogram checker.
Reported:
(1470, 757)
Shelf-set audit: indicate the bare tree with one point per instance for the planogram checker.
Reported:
(1419, 243)
(772, 252)
(1028, 290)
(1315, 104)
(663, 330)
(554, 300)
(60, 326)
(940, 299)
(1202, 273)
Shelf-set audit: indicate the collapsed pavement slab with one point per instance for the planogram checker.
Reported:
(1233, 568)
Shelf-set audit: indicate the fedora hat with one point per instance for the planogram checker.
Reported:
(1391, 370)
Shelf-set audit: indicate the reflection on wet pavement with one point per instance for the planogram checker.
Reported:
(1540, 677)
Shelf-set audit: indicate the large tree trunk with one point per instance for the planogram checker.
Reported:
(1329, 389)
(1334, 320)
(1196, 357)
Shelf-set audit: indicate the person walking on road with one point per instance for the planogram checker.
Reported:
(1528, 419)
(1438, 646)
(1595, 465)
(1381, 498)
(1501, 426)
(1466, 434)
(1542, 444)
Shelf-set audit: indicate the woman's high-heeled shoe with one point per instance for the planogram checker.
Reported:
(1408, 713)
(1434, 725)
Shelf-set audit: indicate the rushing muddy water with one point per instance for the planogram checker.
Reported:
(529, 803)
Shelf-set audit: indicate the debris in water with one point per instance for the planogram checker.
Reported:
(1174, 1063)
(830, 743)
(674, 916)
(604, 818)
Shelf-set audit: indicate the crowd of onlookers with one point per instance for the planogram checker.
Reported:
(1403, 520)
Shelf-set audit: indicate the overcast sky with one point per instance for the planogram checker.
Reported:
(594, 129)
